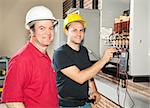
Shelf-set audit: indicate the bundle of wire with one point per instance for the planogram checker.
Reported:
(126, 85)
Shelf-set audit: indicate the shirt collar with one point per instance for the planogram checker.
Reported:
(36, 51)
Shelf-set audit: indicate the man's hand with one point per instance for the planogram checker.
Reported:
(108, 54)
(96, 96)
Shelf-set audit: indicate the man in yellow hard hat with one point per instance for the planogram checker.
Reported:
(30, 81)
(74, 70)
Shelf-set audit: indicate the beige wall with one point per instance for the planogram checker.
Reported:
(0, 24)
(12, 14)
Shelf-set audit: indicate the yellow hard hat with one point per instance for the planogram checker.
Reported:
(73, 17)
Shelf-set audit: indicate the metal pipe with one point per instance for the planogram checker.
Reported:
(95, 4)
(74, 3)
(81, 3)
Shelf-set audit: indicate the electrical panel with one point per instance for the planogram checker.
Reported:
(131, 36)
(139, 53)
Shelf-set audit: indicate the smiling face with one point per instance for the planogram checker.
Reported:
(42, 33)
(75, 33)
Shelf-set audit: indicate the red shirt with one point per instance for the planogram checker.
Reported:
(30, 79)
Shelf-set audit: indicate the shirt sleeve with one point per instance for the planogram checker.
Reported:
(15, 81)
(61, 60)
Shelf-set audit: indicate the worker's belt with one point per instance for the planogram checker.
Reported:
(71, 101)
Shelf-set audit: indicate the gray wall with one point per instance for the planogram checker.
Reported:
(0, 24)
(112, 9)
(12, 17)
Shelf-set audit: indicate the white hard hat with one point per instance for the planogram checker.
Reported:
(39, 13)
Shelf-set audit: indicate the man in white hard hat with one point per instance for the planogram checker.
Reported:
(30, 80)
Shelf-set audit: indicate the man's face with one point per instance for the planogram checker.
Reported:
(43, 33)
(75, 32)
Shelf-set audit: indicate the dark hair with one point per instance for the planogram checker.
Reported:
(32, 25)
(67, 27)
